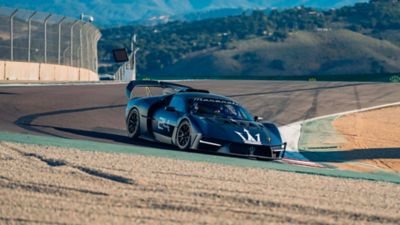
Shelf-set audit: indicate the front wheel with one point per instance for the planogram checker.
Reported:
(183, 135)
(133, 124)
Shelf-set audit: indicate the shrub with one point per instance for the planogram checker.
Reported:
(394, 79)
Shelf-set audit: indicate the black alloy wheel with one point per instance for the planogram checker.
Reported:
(183, 135)
(133, 124)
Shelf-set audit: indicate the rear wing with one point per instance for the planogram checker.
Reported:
(171, 88)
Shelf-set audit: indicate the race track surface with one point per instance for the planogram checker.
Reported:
(96, 112)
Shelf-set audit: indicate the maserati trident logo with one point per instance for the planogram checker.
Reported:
(249, 139)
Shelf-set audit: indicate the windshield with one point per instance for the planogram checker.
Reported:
(218, 108)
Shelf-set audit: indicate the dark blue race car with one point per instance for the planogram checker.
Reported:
(196, 119)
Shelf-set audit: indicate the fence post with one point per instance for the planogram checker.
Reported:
(12, 34)
(72, 41)
(80, 45)
(96, 68)
(30, 34)
(87, 49)
(45, 37)
(59, 39)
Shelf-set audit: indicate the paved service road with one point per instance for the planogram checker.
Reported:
(96, 112)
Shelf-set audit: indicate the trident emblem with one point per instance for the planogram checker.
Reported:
(250, 139)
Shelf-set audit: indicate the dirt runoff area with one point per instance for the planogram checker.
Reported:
(49, 185)
(373, 139)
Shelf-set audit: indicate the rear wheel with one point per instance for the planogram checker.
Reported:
(133, 123)
(183, 135)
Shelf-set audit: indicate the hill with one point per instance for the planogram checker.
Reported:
(122, 12)
(303, 52)
(359, 39)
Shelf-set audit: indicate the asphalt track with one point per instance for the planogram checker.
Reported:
(96, 112)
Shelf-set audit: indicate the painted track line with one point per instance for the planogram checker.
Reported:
(302, 163)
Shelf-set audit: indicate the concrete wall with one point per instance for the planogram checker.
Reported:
(2, 70)
(24, 71)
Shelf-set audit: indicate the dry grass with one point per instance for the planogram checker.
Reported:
(49, 185)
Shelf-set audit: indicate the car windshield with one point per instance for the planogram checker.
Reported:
(218, 108)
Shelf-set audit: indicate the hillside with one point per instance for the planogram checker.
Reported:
(360, 39)
(326, 52)
(122, 12)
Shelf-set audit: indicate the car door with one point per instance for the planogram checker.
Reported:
(166, 119)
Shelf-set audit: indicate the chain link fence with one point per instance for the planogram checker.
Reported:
(31, 36)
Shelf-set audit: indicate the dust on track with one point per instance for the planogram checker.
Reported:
(50, 185)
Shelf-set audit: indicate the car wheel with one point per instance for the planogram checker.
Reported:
(133, 123)
(183, 135)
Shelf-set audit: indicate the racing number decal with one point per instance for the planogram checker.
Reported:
(163, 125)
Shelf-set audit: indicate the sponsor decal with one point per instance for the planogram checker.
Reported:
(214, 100)
(249, 139)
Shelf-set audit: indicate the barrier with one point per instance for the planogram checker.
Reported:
(2, 70)
(24, 71)
(40, 46)
(47, 72)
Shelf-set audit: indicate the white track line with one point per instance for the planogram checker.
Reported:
(302, 163)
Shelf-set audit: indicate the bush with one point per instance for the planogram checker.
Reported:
(277, 36)
(394, 79)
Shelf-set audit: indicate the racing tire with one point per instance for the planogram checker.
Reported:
(133, 124)
(183, 135)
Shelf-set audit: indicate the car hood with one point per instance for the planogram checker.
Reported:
(244, 132)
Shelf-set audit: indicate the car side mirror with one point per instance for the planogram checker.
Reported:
(170, 109)
(258, 118)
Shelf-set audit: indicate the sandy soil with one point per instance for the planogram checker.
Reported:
(48, 185)
(373, 138)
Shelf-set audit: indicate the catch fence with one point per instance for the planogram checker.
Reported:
(31, 36)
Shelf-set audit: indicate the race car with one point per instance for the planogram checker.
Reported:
(194, 119)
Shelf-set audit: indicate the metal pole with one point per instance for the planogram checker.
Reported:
(30, 35)
(12, 34)
(87, 50)
(92, 58)
(133, 44)
(72, 41)
(95, 50)
(45, 37)
(59, 39)
(134, 63)
(65, 51)
(80, 45)
(78, 50)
